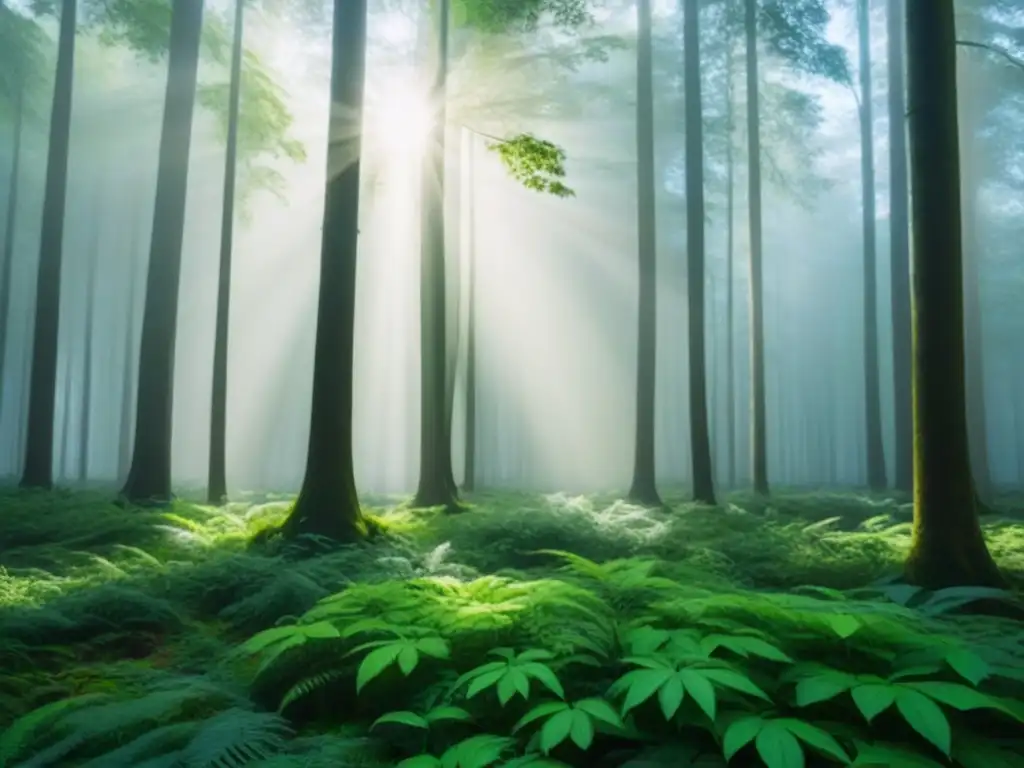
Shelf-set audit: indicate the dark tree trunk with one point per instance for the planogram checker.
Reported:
(469, 471)
(126, 422)
(730, 255)
(149, 479)
(436, 486)
(948, 548)
(85, 430)
(759, 442)
(63, 449)
(899, 245)
(875, 453)
(217, 484)
(328, 504)
(643, 489)
(700, 442)
(38, 471)
(10, 225)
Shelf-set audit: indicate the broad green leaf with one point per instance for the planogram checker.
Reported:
(401, 718)
(822, 687)
(433, 646)
(478, 751)
(843, 624)
(734, 680)
(969, 665)
(926, 717)
(701, 691)
(543, 674)
(535, 654)
(644, 641)
(744, 646)
(815, 737)
(599, 709)
(541, 710)
(485, 681)
(582, 732)
(873, 699)
(438, 714)
(670, 696)
(408, 658)
(556, 730)
(957, 696)
(740, 733)
(643, 683)
(420, 761)
(882, 755)
(513, 681)
(320, 630)
(375, 662)
(268, 637)
(778, 747)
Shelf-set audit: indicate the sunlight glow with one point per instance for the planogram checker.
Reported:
(398, 121)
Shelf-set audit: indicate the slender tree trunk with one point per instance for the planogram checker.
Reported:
(217, 484)
(700, 441)
(149, 479)
(63, 450)
(644, 488)
(85, 430)
(435, 483)
(730, 251)
(948, 548)
(127, 425)
(38, 471)
(469, 472)
(328, 504)
(875, 453)
(899, 245)
(759, 442)
(10, 226)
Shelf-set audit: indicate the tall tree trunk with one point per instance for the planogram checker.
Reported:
(730, 251)
(435, 482)
(899, 249)
(759, 442)
(127, 425)
(643, 489)
(875, 453)
(217, 484)
(149, 479)
(10, 225)
(63, 450)
(700, 441)
(38, 471)
(328, 504)
(85, 424)
(948, 548)
(469, 471)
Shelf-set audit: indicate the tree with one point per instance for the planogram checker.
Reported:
(38, 469)
(899, 249)
(872, 395)
(216, 491)
(89, 333)
(328, 504)
(644, 486)
(703, 480)
(948, 547)
(149, 479)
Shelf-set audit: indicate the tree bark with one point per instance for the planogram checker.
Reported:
(759, 442)
(85, 423)
(899, 245)
(948, 548)
(38, 470)
(469, 470)
(643, 489)
(875, 453)
(328, 504)
(10, 225)
(149, 479)
(700, 441)
(217, 484)
(730, 255)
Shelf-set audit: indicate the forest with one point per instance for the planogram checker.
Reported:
(511, 383)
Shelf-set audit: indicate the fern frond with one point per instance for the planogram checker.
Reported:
(236, 737)
(309, 684)
(21, 734)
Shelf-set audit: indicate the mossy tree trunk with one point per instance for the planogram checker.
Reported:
(643, 489)
(899, 259)
(38, 468)
(759, 439)
(700, 440)
(436, 485)
(217, 483)
(328, 504)
(149, 479)
(948, 548)
(875, 453)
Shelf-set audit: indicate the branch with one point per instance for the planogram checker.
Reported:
(997, 50)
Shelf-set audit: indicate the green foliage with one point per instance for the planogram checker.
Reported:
(22, 61)
(535, 163)
(509, 15)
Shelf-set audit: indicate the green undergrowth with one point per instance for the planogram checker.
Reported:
(537, 631)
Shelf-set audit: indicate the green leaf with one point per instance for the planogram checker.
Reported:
(873, 699)
(476, 752)
(401, 718)
(513, 681)
(556, 730)
(268, 637)
(975, 753)
(599, 709)
(926, 717)
(433, 646)
(960, 697)
(739, 734)
(816, 738)
(822, 687)
(541, 710)
(778, 747)
(734, 680)
(843, 624)
(643, 683)
(420, 761)
(535, 654)
(439, 714)
(408, 658)
(320, 630)
(375, 663)
(880, 755)
(543, 674)
(670, 696)
(701, 691)
(744, 646)
(969, 665)
(485, 681)
(582, 732)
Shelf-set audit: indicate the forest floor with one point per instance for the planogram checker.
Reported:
(615, 636)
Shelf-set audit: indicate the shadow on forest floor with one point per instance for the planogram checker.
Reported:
(144, 607)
